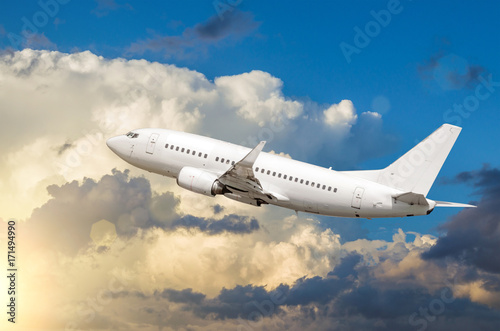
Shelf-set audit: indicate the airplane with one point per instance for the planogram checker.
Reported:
(213, 167)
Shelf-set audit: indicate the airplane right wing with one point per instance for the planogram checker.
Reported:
(241, 181)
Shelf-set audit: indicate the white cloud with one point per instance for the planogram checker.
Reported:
(257, 96)
(76, 101)
(342, 114)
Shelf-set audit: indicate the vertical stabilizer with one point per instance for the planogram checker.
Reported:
(418, 168)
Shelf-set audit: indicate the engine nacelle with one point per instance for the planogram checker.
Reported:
(199, 181)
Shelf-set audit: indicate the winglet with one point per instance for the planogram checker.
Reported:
(250, 158)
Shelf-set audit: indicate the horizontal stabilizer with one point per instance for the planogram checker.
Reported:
(453, 204)
(412, 198)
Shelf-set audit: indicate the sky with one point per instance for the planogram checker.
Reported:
(349, 85)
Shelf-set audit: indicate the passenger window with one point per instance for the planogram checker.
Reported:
(284, 176)
(317, 186)
(199, 154)
(172, 147)
(166, 145)
(177, 148)
(268, 172)
(227, 162)
(324, 186)
(296, 179)
(307, 182)
(188, 151)
(312, 184)
(279, 175)
(262, 171)
(217, 158)
(182, 150)
(194, 152)
(206, 155)
(222, 160)
(257, 169)
(301, 181)
(335, 190)
(232, 162)
(274, 173)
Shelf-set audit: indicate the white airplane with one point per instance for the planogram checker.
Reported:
(212, 167)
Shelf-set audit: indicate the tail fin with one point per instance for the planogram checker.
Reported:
(418, 168)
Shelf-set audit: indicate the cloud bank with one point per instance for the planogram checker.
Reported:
(78, 100)
(115, 248)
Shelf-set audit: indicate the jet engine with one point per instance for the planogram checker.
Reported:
(200, 181)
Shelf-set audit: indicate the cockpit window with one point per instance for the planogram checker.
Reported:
(132, 134)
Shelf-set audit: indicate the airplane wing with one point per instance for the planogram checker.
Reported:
(240, 179)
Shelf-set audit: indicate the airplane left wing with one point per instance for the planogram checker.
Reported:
(240, 179)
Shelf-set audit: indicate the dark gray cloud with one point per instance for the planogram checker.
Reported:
(65, 221)
(218, 209)
(104, 7)
(61, 149)
(196, 40)
(473, 235)
(229, 223)
(233, 22)
(348, 296)
(183, 296)
(450, 71)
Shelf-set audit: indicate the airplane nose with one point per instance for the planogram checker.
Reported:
(119, 145)
(112, 143)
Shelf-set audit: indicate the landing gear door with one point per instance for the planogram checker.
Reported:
(356, 197)
(152, 143)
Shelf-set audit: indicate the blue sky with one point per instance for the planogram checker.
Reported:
(423, 63)
(403, 73)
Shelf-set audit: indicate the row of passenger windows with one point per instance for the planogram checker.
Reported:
(296, 179)
(222, 160)
(188, 151)
(262, 171)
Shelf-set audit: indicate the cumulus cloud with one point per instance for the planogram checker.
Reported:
(349, 295)
(97, 98)
(342, 114)
(128, 203)
(194, 40)
(179, 259)
(257, 96)
(167, 269)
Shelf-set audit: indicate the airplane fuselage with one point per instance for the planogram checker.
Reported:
(295, 185)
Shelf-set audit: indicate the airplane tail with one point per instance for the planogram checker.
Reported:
(416, 171)
(418, 168)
